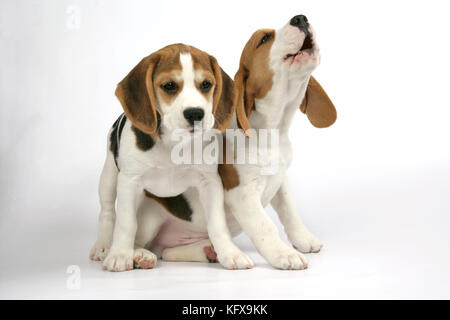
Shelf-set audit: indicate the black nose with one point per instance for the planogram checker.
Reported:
(193, 114)
(300, 22)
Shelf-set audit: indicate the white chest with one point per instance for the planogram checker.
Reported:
(267, 177)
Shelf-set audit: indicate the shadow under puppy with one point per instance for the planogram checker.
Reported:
(177, 87)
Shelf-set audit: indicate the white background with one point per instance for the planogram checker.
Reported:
(374, 188)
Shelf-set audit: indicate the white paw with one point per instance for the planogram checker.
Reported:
(99, 251)
(306, 242)
(144, 259)
(235, 259)
(119, 260)
(287, 258)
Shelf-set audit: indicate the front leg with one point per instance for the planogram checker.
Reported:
(228, 254)
(300, 237)
(107, 193)
(120, 257)
(245, 204)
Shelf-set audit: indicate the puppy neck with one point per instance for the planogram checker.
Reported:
(277, 109)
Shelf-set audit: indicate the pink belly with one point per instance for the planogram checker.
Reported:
(174, 234)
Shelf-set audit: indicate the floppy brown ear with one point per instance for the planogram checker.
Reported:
(223, 107)
(135, 93)
(318, 106)
(242, 101)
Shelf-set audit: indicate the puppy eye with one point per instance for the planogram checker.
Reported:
(205, 86)
(170, 87)
(264, 39)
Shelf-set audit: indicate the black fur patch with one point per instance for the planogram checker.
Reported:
(143, 141)
(178, 205)
(116, 133)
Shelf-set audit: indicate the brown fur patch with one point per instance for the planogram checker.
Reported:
(135, 93)
(318, 106)
(254, 78)
(227, 172)
(226, 108)
(177, 206)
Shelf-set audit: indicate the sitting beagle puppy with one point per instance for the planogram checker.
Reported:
(273, 81)
(177, 87)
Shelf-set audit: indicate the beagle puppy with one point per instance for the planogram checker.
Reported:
(273, 82)
(176, 88)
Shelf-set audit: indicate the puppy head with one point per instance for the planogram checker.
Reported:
(282, 60)
(177, 87)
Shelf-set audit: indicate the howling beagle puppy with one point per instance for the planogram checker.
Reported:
(177, 87)
(272, 83)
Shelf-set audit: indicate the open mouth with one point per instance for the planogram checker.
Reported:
(308, 44)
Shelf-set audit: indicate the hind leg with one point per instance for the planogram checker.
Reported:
(300, 237)
(107, 193)
(200, 251)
